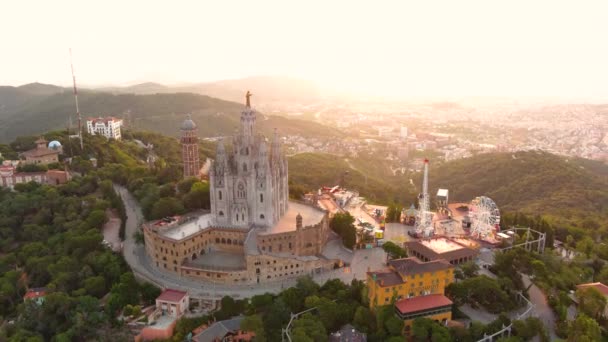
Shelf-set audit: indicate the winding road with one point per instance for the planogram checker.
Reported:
(542, 310)
(141, 265)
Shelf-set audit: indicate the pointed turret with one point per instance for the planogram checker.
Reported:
(276, 146)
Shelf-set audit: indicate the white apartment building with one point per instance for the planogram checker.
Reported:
(109, 127)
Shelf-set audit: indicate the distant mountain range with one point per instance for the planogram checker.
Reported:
(35, 108)
(265, 89)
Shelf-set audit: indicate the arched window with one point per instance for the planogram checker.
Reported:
(261, 198)
(243, 217)
(221, 213)
(262, 216)
(237, 217)
(219, 195)
(244, 167)
(228, 241)
(223, 240)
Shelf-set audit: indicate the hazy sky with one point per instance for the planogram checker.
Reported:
(450, 47)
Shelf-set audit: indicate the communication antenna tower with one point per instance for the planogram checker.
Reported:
(424, 223)
(76, 100)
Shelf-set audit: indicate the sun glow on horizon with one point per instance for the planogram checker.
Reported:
(515, 48)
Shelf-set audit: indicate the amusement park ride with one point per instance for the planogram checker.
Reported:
(482, 221)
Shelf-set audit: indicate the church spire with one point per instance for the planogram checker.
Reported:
(248, 120)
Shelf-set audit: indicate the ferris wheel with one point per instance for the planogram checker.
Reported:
(485, 217)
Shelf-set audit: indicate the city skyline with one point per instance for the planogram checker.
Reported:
(471, 48)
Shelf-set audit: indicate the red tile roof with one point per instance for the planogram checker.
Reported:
(170, 295)
(598, 286)
(35, 293)
(422, 303)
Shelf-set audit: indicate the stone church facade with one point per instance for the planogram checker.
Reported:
(253, 232)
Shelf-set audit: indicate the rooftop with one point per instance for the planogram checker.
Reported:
(163, 322)
(422, 303)
(177, 230)
(598, 286)
(444, 248)
(441, 245)
(39, 152)
(103, 119)
(218, 330)
(310, 216)
(414, 266)
(386, 277)
(35, 293)
(442, 193)
(170, 295)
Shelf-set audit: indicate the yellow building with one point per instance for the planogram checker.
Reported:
(416, 288)
(408, 277)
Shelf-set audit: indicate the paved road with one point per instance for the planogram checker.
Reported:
(541, 307)
(141, 265)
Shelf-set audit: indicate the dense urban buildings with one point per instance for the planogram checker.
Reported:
(108, 127)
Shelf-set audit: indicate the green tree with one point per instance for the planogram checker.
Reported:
(583, 329)
(364, 320)
(254, 323)
(394, 326)
(167, 206)
(342, 224)
(469, 269)
(95, 286)
(394, 251)
(585, 246)
(591, 302)
(309, 328)
(393, 213)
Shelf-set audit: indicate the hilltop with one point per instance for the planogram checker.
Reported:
(571, 191)
(532, 182)
(35, 108)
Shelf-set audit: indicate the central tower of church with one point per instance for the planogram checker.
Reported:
(248, 182)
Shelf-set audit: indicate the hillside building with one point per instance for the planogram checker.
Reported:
(417, 288)
(171, 305)
(253, 233)
(36, 295)
(41, 154)
(226, 330)
(108, 127)
(9, 177)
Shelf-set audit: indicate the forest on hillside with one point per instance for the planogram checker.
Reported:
(573, 191)
(34, 109)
